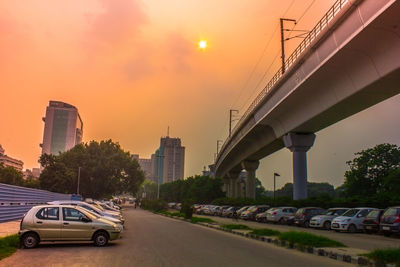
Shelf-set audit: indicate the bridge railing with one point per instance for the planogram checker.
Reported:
(307, 41)
(15, 201)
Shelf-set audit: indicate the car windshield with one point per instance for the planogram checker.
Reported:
(251, 209)
(299, 211)
(335, 212)
(373, 214)
(351, 213)
(391, 212)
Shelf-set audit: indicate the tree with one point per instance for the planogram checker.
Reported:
(9, 175)
(260, 189)
(198, 189)
(105, 169)
(370, 168)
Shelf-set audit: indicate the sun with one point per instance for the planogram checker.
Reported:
(202, 44)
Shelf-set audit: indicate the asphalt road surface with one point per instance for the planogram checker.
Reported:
(357, 240)
(154, 240)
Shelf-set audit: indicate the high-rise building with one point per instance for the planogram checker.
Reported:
(7, 161)
(63, 128)
(146, 166)
(169, 160)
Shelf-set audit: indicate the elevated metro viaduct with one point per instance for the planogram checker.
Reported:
(347, 63)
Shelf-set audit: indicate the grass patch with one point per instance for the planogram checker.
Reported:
(236, 226)
(307, 239)
(389, 255)
(178, 214)
(198, 219)
(8, 245)
(265, 232)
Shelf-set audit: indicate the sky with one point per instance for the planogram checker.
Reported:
(133, 68)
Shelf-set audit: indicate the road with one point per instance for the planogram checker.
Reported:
(357, 240)
(154, 240)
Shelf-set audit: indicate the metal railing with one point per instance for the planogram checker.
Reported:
(307, 41)
(15, 201)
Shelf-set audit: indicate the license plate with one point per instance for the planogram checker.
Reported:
(386, 228)
(369, 227)
(335, 225)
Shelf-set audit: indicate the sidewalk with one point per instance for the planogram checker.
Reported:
(9, 228)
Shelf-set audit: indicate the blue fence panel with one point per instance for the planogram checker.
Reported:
(15, 201)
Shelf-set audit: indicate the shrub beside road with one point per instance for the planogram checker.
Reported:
(385, 256)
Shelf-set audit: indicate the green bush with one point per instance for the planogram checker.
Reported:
(310, 240)
(389, 255)
(198, 219)
(154, 205)
(236, 226)
(8, 245)
(265, 232)
(187, 209)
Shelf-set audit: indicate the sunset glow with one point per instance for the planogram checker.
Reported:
(203, 44)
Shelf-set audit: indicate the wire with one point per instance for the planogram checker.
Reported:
(245, 85)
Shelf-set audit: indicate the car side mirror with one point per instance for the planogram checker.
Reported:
(85, 219)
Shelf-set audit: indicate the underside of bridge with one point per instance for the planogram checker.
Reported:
(354, 66)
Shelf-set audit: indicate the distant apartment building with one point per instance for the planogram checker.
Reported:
(32, 173)
(9, 161)
(146, 166)
(63, 128)
(169, 160)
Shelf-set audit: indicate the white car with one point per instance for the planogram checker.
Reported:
(351, 220)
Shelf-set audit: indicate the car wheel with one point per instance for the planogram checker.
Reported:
(30, 240)
(306, 224)
(100, 239)
(327, 225)
(352, 228)
(281, 221)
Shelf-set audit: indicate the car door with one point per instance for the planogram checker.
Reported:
(47, 223)
(73, 228)
(360, 217)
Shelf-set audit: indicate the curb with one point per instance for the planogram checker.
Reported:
(359, 260)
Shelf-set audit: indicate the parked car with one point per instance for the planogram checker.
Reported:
(371, 221)
(230, 212)
(288, 219)
(351, 220)
(325, 219)
(222, 209)
(390, 221)
(75, 224)
(91, 208)
(276, 215)
(304, 215)
(242, 209)
(250, 214)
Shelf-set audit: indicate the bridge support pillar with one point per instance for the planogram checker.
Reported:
(250, 167)
(299, 144)
(225, 186)
(234, 177)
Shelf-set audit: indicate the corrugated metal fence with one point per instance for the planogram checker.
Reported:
(15, 201)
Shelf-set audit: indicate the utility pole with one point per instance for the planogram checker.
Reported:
(283, 42)
(218, 142)
(79, 180)
(231, 114)
(275, 174)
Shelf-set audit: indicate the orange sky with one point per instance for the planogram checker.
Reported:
(132, 68)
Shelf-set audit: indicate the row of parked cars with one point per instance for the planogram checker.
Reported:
(351, 220)
(70, 220)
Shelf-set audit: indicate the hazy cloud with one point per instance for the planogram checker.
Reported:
(120, 20)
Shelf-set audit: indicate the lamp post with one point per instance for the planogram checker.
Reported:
(275, 174)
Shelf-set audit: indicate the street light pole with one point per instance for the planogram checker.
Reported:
(79, 180)
(275, 174)
(231, 111)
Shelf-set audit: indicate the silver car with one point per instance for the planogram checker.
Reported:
(324, 220)
(276, 215)
(351, 220)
